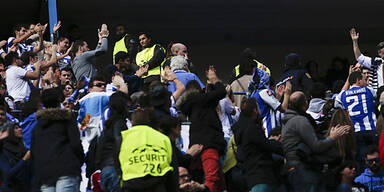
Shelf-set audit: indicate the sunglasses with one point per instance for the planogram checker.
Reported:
(99, 84)
(376, 160)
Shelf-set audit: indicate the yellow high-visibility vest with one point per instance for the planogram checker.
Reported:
(237, 68)
(119, 46)
(144, 151)
(145, 55)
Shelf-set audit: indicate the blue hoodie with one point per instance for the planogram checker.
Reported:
(373, 182)
(262, 84)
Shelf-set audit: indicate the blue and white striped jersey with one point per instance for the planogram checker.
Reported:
(268, 105)
(22, 46)
(64, 62)
(359, 103)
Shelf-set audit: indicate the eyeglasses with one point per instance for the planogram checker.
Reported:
(99, 84)
(376, 160)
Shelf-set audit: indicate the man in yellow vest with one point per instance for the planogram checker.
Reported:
(125, 43)
(249, 54)
(146, 157)
(152, 55)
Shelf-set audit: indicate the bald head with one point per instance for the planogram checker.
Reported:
(179, 49)
(298, 102)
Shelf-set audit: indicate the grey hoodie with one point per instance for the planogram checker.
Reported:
(315, 108)
(298, 129)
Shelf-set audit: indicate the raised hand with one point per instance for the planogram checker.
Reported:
(354, 35)
(69, 49)
(44, 28)
(142, 70)
(2, 43)
(103, 33)
(228, 89)
(14, 48)
(195, 149)
(288, 88)
(169, 75)
(339, 130)
(56, 26)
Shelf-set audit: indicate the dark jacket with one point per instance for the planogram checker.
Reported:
(55, 147)
(205, 126)
(110, 142)
(300, 80)
(298, 129)
(16, 173)
(257, 151)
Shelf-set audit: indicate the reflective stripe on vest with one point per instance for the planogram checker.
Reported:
(237, 68)
(119, 46)
(144, 151)
(144, 56)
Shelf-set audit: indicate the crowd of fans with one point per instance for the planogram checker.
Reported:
(69, 124)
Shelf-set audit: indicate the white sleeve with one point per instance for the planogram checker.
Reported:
(20, 72)
(372, 91)
(364, 60)
(173, 102)
(338, 103)
(270, 99)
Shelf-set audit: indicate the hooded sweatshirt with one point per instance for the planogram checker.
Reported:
(299, 129)
(315, 109)
(373, 182)
(55, 146)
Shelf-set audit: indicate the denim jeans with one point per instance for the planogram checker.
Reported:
(263, 188)
(304, 179)
(63, 184)
(109, 180)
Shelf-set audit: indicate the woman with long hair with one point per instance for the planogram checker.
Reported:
(110, 142)
(346, 144)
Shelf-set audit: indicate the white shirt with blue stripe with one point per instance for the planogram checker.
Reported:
(359, 103)
(64, 62)
(268, 105)
(22, 46)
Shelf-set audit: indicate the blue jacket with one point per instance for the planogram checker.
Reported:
(27, 125)
(373, 182)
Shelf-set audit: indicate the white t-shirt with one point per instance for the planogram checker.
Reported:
(17, 85)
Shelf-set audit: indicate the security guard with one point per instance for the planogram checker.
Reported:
(258, 65)
(124, 43)
(152, 55)
(146, 157)
(299, 77)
